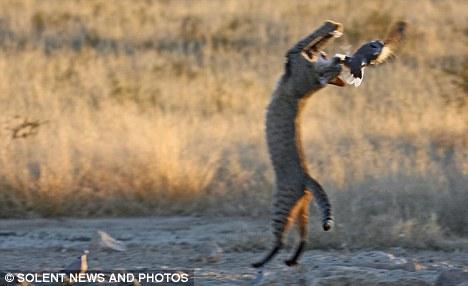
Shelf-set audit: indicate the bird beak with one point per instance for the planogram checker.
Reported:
(337, 81)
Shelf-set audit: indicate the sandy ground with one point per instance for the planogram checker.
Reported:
(218, 249)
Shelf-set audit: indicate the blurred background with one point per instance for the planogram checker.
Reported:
(135, 108)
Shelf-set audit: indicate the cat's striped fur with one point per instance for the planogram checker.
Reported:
(306, 71)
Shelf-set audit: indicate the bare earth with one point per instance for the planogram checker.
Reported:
(218, 249)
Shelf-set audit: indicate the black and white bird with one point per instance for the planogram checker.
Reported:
(372, 53)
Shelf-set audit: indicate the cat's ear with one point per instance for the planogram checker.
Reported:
(337, 81)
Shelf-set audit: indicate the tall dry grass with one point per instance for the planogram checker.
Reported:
(157, 107)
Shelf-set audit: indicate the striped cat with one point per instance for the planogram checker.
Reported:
(306, 71)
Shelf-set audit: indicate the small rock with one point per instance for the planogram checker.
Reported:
(210, 252)
(8, 233)
(104, 241)
(382, 260)
(79, 238)
(399, 251)
(452, 277)
(413, 266)
(80, 265)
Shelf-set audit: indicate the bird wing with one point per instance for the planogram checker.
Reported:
(392, 42)
(352, 80)
(384, 55)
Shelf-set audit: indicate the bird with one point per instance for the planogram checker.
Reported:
(373, 53)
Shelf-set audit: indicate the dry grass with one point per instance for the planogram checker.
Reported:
(146, 108)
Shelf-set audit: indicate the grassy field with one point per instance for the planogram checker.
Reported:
(125, 108)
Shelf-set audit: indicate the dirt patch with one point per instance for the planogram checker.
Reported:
(220, 251)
